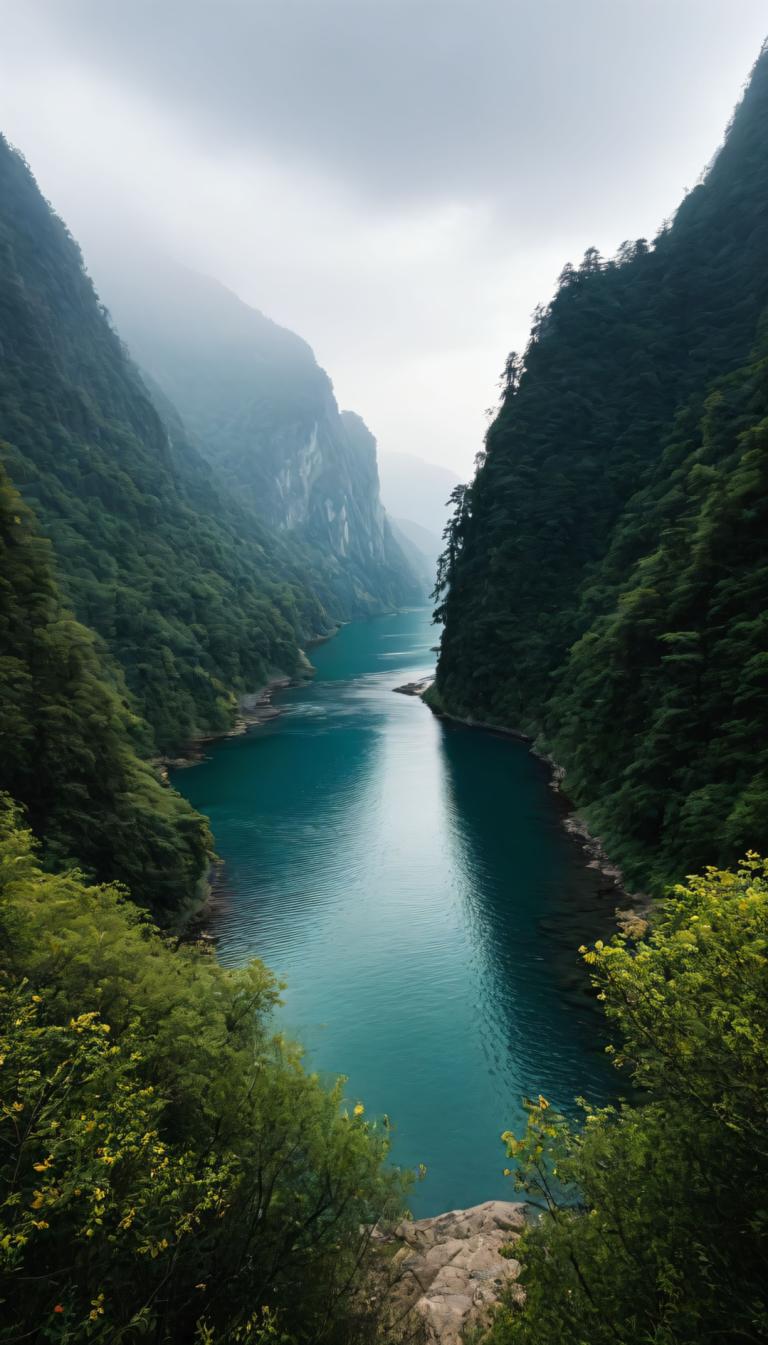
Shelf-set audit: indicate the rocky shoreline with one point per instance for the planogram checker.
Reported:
(440, 1279)
(414, 688)
(633, 914)
(253, 708)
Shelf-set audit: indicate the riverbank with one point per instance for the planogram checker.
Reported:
(253, 708)
(633, 915)
(441, 1279)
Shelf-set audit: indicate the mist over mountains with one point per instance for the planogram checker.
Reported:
(260, 409)
(416, 491)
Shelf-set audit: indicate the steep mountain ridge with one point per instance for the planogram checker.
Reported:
(603, 439)
(263, 412)
(196, 599)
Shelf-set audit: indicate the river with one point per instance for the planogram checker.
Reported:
(412, 883)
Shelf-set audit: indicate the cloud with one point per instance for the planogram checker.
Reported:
(398, 180)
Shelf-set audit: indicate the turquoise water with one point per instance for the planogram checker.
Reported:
(412, 883)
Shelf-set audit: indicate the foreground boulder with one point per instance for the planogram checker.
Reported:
(448, 1272)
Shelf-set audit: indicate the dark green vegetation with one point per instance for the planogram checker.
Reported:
(194, 600)
(655, 1225)
(263, 413)
(67, 737)
(168, 1171)
(605, 586)
(194, 597)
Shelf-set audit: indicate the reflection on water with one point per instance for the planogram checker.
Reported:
(411, 882)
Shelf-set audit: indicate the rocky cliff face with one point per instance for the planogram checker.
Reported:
(264, 413)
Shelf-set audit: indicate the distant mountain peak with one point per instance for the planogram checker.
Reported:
(263, 413)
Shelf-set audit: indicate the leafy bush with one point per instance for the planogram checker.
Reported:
(168, 1170)
(655, 1212)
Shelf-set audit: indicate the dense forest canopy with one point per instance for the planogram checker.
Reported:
(68, 738)
(604, 584)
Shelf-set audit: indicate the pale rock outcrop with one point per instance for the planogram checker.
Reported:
(449, 1271)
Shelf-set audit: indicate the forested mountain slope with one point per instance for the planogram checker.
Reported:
(264, 414)
(194, 597)
(604, 586)
(66, 737)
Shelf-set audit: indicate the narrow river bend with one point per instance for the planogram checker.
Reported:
(412, 883)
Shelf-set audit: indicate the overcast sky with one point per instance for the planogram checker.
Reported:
(399, 181)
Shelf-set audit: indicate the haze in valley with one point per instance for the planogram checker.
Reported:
(398, 181)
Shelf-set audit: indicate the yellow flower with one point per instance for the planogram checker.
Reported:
(358, 1109)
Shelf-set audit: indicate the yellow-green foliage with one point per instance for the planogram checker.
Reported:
(655, 1212)
(168, 1170)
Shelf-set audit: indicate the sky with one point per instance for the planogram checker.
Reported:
(399, 181)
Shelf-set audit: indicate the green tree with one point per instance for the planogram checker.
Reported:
(604, 586)
(68, 737)
(168, 1170)
(654, 1222)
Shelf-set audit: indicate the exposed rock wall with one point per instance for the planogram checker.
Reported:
(264, 414)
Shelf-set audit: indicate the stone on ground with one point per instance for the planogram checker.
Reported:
(449, 1271)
